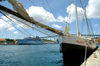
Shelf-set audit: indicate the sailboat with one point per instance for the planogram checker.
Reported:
(75, 48)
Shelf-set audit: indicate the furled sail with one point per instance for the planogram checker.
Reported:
(66, 30)
(18, 7)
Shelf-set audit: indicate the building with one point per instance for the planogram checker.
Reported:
(3, 41)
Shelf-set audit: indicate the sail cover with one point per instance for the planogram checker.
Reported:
(18, 7)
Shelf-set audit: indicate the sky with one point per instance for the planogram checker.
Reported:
(54, 13)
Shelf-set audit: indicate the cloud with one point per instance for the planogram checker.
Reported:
(63, 19)
(45, 17)
(38, 13)
(60, 19)
(56, 26)
(93, 9)
(4, 18)
(71, 12)
(11, 29)
(8, 25)
(20, 23)
(4, 25)
(41, 15)
(16, 32)
(95, 25)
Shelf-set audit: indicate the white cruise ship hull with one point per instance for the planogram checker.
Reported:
(22, 42)
(30, 41)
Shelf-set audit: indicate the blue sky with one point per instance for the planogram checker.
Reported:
(53, 13)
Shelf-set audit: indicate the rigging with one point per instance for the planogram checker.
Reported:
(89, 28)
(31, 21)
(30, 26)
(15, 23)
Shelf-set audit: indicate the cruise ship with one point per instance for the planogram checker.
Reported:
(30, 41)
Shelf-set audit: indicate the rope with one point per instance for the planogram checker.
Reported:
(91, 28)
(89, 25)
(12, 21)
(43, 11)
(32, 2)
(25, 24)
(31, 26)
(85, 60)
(46, 2)
(85, 16)
(87, 28)
(24, 29)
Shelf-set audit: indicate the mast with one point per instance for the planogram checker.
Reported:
(77, 25)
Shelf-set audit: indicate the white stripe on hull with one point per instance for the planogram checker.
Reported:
(78, 41)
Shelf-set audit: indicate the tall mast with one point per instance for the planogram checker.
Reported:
(77, 26)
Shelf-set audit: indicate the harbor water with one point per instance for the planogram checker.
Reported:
(30, 55)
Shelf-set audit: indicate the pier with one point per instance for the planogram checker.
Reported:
(93, 60)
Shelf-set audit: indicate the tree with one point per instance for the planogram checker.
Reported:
(2, 0)
(98, 40)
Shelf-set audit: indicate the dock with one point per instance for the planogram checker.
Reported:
(93, 60)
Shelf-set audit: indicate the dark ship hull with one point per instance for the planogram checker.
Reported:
(73, 55)
(74, 48)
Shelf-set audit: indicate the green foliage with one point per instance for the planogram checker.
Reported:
(47, 40)
(9, 40)
(2, 0)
